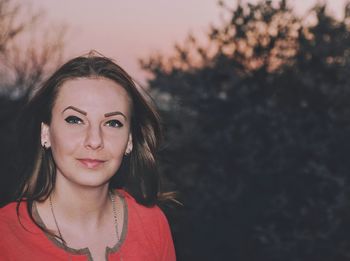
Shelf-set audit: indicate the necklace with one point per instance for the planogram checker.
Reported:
(111, 196)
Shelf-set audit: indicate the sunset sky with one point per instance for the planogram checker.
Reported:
(127, 30)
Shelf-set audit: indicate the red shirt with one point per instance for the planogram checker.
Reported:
(145, 236)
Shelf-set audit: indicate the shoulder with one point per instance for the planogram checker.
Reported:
(8, 212)
(150, 220)
(14, 217)
(21, 238)
(11, 224)
(151, 214)
(149, 227)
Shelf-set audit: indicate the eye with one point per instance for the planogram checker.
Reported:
(73, 120)
(114, 124)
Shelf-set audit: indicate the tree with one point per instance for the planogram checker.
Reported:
(22, 68)
(22, 63)
(257, 133)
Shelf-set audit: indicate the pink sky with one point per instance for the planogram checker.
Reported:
(127, 30)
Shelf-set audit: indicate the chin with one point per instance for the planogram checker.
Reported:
(92, 179)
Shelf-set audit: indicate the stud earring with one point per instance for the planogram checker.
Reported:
(45, 145)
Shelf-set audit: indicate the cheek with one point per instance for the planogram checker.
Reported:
(116, 144)
(64, 142)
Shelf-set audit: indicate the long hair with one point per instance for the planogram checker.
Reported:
(137, 174)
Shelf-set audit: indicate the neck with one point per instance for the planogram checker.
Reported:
(81, 205)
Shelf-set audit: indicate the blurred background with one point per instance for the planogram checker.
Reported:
(255, 102)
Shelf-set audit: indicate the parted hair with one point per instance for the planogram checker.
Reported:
(137, 174)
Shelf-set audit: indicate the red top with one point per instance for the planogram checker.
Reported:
(145, 236)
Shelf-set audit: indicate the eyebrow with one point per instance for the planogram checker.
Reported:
(115, 113)
(109, 114)
(75, 109)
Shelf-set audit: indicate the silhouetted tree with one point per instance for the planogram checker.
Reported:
(257, 135)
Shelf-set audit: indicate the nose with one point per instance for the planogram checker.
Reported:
(93, 139)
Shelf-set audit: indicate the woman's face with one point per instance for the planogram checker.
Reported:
(90, 130)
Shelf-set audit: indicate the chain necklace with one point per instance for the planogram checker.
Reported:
(111, 196)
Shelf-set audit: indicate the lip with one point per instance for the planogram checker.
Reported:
(91, 163)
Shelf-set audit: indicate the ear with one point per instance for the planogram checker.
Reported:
(45, 136)
(129, 145)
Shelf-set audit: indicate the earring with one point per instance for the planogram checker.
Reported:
(45, 146)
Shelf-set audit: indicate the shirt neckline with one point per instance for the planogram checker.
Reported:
(86, 251)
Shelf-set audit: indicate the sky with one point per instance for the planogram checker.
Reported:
(127, 30)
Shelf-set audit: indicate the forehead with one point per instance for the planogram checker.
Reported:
(93, 93)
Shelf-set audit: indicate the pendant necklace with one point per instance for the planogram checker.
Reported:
(111, 196)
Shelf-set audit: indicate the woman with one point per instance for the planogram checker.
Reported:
(90, 187)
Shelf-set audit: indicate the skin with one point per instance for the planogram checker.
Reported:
(89, 134)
